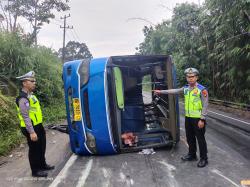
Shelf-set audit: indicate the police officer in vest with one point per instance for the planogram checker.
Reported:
(196, 103)
(30, 115)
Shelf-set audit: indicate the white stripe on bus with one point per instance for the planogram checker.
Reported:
(79, 89)
(106, 104)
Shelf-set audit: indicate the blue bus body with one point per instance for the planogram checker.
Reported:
(104, 101)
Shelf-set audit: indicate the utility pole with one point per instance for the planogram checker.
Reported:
(64, 32)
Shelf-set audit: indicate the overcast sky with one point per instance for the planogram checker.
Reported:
(106, 25)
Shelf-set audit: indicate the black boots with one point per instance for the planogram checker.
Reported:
(42, 172)
(189, 157)
(39, 174)
(202, 163)
(48, 167)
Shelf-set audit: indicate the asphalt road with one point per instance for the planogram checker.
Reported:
(228, 165)
(228, 152)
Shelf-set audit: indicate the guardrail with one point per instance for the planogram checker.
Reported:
(230, 104)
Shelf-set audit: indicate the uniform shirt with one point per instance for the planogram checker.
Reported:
(204, 98)
(24, 106)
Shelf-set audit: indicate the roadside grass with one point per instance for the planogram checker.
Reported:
(56, 111)
(10, 139)
(9, 132)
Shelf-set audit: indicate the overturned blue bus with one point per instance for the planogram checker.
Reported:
(110, 98)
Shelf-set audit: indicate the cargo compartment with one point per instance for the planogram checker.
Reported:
(141, 119)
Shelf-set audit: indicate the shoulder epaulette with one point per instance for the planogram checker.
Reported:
(200, 87)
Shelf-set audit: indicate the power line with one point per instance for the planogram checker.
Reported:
(73, 35)
(141, 19)
(76, 34)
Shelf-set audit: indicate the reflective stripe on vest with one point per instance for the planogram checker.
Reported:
(193, 104)
(35, 112)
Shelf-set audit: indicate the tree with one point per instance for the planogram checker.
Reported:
(229, 50)
(213, 38)
(75, 50)
(37, 12)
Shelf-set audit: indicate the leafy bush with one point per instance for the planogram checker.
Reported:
(9, 131)
(17, 58)
(8, 117)
(54, 112)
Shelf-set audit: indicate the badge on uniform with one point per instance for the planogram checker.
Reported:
(185, 91)
(27, 104)
(204, 93)
(195, 91)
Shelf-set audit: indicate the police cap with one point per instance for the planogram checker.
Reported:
(191, 71)
(27, 76)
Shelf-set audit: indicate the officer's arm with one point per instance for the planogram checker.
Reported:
(24, 110)
(204, 100)
(170, 91)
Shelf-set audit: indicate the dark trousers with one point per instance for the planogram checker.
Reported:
(36, 148)
(193, 132)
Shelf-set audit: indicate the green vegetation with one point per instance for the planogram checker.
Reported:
(37, 13)
(146, 83)
(75, 50)
(19, 53)
(17, 58)
(10, 135)
(54, 112)
(214, 38)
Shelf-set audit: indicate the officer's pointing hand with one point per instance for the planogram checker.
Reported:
(157, 91)
(33, 137)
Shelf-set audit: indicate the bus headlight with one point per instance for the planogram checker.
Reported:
(84, 72)
(91, 143)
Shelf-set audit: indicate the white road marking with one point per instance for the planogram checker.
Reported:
(126, 180)
(132, 182)
(85, 174)
(63, 172)
(226, 116)
(122, 176)
(124, 165)
(107, 174)
(170, 172)
(220, 174)
(229, 117)
(169, 166)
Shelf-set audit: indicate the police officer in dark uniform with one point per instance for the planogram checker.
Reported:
(196, 103)
(30, 115)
